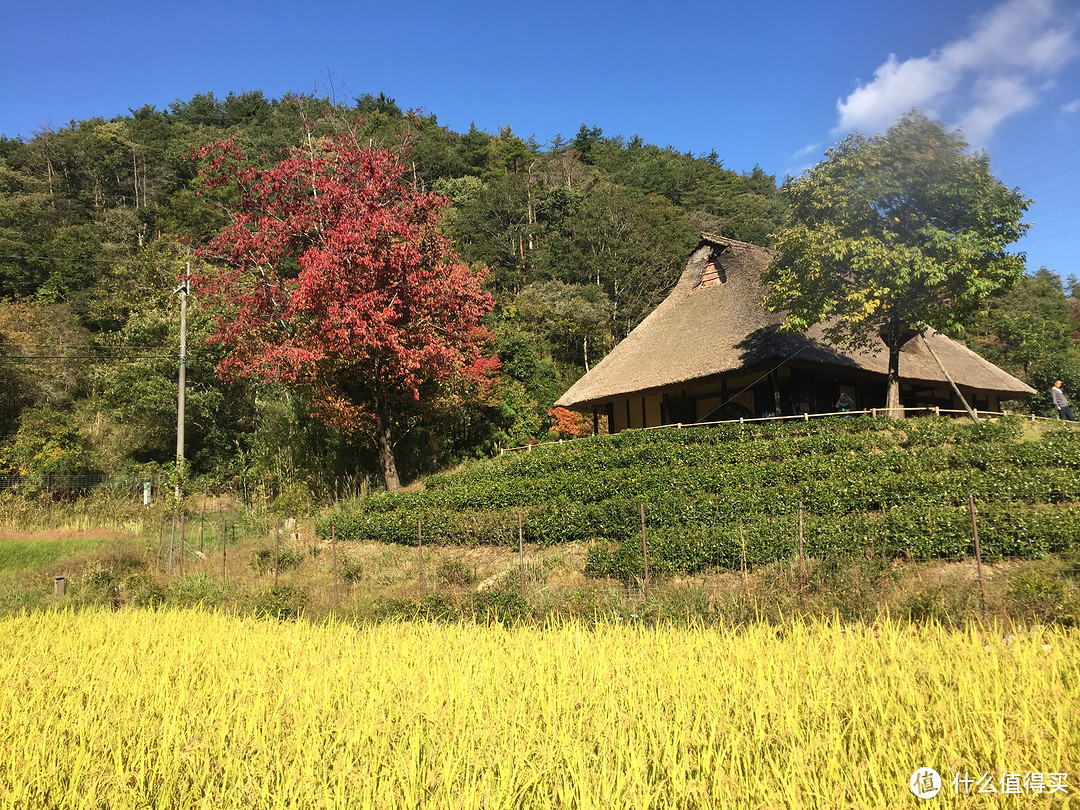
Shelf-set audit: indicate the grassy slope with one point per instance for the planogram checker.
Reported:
(609, 478)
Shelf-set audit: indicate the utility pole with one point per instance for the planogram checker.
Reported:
(183, 291)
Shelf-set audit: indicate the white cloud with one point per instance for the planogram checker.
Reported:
(977, 82)
(809, 149)
(1072, 107)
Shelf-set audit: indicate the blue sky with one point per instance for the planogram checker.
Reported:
(773, 85)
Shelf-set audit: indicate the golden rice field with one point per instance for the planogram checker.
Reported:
(140, 709)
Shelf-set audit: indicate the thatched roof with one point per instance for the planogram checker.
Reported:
(713, 323)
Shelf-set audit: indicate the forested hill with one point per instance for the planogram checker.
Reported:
(583, 238)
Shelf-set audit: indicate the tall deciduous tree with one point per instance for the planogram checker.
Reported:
(333, 277)
(893, 234)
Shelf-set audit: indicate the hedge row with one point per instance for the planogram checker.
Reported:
(909, 532)
(904, 484)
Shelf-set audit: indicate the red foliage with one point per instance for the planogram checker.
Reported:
(567, 424)
(333, 277)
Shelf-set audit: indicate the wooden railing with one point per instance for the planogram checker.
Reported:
(921, 410)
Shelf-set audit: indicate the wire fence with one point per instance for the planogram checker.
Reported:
(71, 483)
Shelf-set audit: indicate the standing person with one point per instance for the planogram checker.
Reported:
(1061, 403)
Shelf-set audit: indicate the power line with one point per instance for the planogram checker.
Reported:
(1051, 236)
(1059, 219)
(1047, 160)
(1054, 176)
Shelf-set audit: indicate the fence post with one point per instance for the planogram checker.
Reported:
(277, 551)
(183, 539)
(521, 552)
(420, 550)
(224, 575)
(172, 543)
(802, 572)
(742, 543)
(645, 552)
(978, 555)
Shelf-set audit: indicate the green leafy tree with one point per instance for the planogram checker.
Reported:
(1029, 325)
(892, 235)
(572, 317)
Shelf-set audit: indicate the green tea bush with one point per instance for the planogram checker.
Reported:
(728, 495)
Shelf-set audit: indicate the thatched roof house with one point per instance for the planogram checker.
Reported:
(710, 351)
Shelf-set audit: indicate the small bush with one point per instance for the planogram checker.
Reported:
(351, 571)
(262, 561)
(453, 573)
(1044, 598)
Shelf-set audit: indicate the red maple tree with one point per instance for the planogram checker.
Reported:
(332, 277)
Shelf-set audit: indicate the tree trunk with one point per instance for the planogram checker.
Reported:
(386, 457)
(895, 338)
(386, 447)
(893, 406)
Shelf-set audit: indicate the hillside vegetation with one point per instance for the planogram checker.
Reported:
(582, 235)
(729, 496)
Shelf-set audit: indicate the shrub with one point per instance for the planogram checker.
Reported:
(719, 496)
(263, 560)
(453, 572)
(351, 571)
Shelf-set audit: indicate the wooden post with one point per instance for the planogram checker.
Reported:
(277, 551)
(333, 554)
(420, 550)
(645, 552)
(970, 411)
(978, 555)
(224, 576)
(521, 552)
(742, 542)
(172, 543)
(183, 538)
(802, 572)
